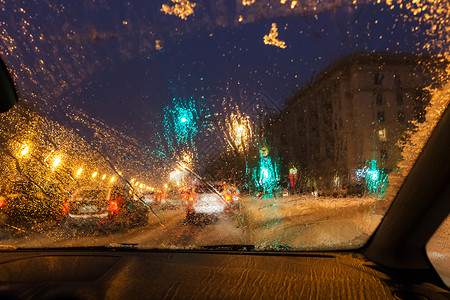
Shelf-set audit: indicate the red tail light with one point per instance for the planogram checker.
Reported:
(113, 206)
(66, 207)
(2, 202)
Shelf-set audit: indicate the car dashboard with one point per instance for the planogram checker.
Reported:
(165, 274)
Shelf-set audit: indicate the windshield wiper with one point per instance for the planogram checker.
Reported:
(110, 247)
(236, 247)
(278, 248)
(232, 247)
(123, 245)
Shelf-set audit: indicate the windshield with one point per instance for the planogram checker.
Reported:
(89, 195)
(284, 125)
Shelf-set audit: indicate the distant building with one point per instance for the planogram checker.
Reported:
(353, 114)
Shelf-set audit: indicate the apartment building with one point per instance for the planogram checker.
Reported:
(353, 114)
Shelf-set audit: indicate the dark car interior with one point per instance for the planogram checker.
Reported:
(7, 89)
(392, 265)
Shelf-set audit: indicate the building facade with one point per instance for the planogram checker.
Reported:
(350, 118)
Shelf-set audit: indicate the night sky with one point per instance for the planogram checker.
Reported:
(111, 55)
(233, 64)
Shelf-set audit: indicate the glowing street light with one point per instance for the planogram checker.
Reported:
(112, 179)
(240, 133)
(165, 186)
(25, 150)
(94, 174)
(187, 158)
(104, 176)
(174, 175)
(238, 130)
(79, 171)
(56, 162)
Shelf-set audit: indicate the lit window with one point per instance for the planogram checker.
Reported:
(382, 135)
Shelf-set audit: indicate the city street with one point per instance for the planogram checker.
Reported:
(293, 222)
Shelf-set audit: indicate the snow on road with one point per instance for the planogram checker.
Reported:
(294, 222)
(308, 222)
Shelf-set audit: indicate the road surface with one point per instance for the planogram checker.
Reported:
(295, 222)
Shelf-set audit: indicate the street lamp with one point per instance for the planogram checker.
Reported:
(237, 129)
(94, 174)
(187, 158)
(25, 150)
(56, 161)
(79, 171)
(240, 134)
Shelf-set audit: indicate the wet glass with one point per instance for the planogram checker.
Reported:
(285, 125)
(91, 195)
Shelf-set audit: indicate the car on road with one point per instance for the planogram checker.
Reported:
(205, 204)
(149, 199)
(103, 208)
(24, 205)
(231, 194)
(172, 200)
(158, 198)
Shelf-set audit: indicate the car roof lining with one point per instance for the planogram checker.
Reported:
(8, 93)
